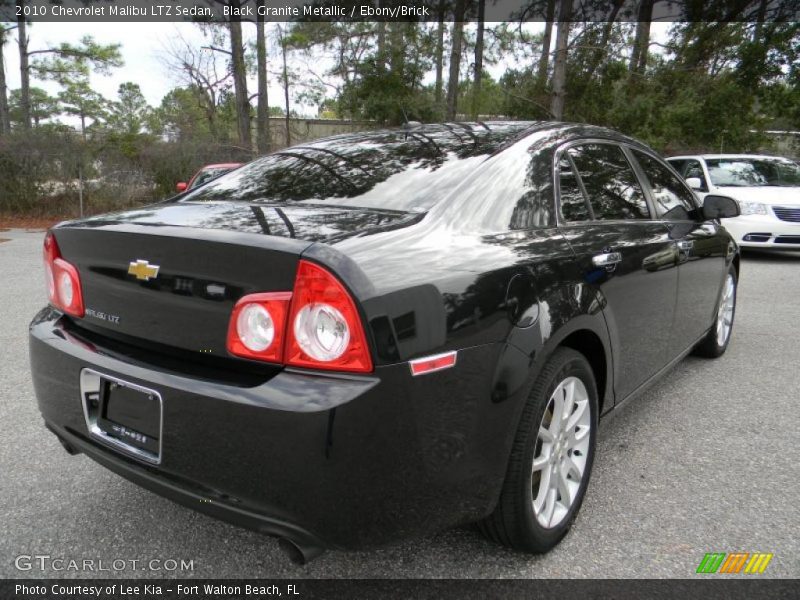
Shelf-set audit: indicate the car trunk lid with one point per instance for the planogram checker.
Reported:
(173, 286)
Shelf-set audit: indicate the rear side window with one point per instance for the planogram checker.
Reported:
(612, 188)
(672, 198)
(573, 202)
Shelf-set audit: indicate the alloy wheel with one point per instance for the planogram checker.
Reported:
(725, 311)
(562, 448)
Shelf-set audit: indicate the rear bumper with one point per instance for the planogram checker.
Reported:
(764, 231)
(322, 460)
(195, 496)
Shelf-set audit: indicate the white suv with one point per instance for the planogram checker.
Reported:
(767, 189)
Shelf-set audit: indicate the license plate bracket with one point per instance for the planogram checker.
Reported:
(122, 414)
(130, 415)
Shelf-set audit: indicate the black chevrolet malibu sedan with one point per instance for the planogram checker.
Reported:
(383, 334)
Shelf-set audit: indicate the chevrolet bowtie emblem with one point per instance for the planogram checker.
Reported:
(142, 269)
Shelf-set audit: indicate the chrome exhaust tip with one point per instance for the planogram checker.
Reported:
(299, 554)
(71, 450)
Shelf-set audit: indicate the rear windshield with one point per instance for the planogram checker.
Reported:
(398, 171)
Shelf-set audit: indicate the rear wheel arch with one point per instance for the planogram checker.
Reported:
(514, 520)
(584, 333)
(589, 344)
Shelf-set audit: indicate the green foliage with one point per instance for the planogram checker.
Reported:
(523, 96)
(716, 86)
(386, 96)
(78, 99)
(65, 62)
(37, 168)
(182, 116)
(492, 99)
(129, 114)
(43, 106)
(381, 68)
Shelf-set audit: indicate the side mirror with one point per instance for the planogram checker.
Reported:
(695, 183)
(181, 186)
(720, 207)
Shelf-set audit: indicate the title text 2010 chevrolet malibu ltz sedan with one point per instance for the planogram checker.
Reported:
(379, 335)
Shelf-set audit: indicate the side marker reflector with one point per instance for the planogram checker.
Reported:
(430, 364)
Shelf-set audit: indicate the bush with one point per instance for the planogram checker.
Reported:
(41, 170)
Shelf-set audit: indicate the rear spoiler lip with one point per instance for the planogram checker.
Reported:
(223, 236)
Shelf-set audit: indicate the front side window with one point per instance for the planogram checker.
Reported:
(672, 199)
(610, 183)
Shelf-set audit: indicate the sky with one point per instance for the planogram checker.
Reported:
(143, 47)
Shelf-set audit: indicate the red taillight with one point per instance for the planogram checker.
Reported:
(258, 326)
(316, 326)
(62, 280)
(324, 328)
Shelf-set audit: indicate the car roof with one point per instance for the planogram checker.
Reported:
(455, 130)
(732, 156)
(473, 132)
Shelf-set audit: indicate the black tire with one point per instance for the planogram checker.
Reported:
(513, 522)
(709, 346)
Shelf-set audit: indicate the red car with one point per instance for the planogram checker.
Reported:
(206, 174)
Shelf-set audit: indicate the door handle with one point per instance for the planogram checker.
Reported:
(684, 244)
(607, 259)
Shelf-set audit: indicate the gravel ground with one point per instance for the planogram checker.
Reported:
(706, 461)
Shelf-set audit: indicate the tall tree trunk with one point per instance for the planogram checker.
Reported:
(760, 16)
(455, 60)
(396, 47)
(641, 44)
(240, 80)
(24, 70)
(412, 74)
(262, 110)
(381, 57)
(476, 87)
(286, 90)
(439, 54)
(645, 46)
(5, 124)
(560, 65)
(635, 50)
(602, 48)
(544, 59)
